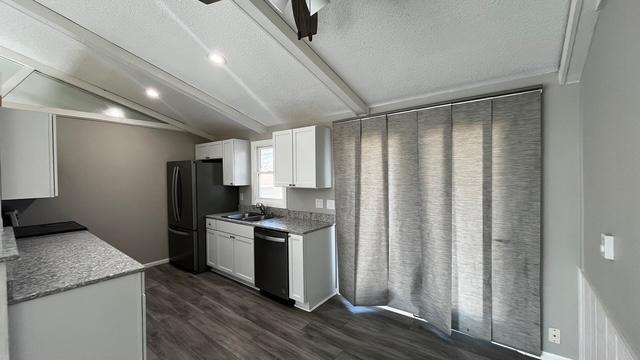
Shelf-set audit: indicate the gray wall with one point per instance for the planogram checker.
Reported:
(561, 218)
(610, 101)
(112, 180)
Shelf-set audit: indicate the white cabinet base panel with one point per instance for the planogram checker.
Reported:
(103, 321)
(599, 338)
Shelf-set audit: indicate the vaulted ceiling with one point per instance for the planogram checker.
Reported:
(385, 53)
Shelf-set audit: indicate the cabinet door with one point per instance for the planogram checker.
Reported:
(227, 162)
(215, 150)
(283, 158)
(304, 157)
(212, 248)
(28, 154)
(201, 151)
(225, 251)
(243, 259)
(296, 268)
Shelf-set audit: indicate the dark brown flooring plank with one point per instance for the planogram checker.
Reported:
(208, 316)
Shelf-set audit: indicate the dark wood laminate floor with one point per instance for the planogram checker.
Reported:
(208, 316)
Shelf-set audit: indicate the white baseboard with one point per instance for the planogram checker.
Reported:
(550, 356)
(156, 263)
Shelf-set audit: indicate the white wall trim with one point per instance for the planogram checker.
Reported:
(267, 18)
(90, 116)
(282, 204)
(109, 50)
(156, 263)
(13, 82)
(550, 356)
(56, 74)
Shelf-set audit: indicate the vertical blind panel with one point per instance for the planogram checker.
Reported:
(434, 159)
(405, 248)
(471, 252)
(372, 258)
(346, 150)
(516, 208)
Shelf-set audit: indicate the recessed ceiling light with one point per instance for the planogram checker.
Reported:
(114, 112)
(217, 59)
(152, 93)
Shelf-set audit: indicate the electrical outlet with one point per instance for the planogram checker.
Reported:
(241, 196)
(331, 204)
(319, 204)
(554, 335)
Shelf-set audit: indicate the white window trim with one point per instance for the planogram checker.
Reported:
(254, 178)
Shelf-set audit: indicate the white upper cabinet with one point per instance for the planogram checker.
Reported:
(28, 157)
(206, 151)
(236, 162)
(302, 157)
(283, 158)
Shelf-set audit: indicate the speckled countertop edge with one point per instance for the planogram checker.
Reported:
(8, 246)
(55, 263)
(290, 225)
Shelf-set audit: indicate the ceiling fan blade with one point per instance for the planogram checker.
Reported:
(315, 5)
(279, 4)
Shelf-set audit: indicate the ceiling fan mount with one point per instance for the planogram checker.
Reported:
(305, 14)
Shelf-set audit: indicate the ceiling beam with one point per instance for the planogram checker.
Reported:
(54, 73)
(120, 55)
(267, 18)
(12, 82)
(581, 24)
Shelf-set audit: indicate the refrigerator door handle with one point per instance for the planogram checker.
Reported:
(182, 233)
(173, 193)
(178, 194)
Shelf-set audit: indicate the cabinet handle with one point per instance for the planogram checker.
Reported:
(232, 237)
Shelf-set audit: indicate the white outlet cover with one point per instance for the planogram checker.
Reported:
(319, 204)
(241, 196)
(554, 335)
(607, 242)
(331, 204)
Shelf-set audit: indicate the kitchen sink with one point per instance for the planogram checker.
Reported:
(248, 216)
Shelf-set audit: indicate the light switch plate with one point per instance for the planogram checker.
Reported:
(331, 204)
(319, 204)
(607, 242)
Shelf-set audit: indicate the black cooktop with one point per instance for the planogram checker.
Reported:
(47, 229)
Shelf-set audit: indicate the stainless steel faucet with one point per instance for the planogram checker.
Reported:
(262, 208)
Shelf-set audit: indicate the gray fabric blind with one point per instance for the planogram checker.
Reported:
(405, 249)
(517, 193)
(471, 242)
(434, 159)
(438, 214)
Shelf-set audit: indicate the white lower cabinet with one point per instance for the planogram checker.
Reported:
(312, 268)
(212, 248)
(225, 245)
(243, 258)
(230, 249)
(296, 268)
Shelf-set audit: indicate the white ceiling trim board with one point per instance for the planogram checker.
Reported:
(13, 82)
(581, 24)
(106, 48)
(90, 116)
(267, 18)
(54, 73)
(472, 89)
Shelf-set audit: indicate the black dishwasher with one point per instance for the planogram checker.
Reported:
(271, 262)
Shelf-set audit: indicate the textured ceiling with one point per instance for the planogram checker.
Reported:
(388, 51)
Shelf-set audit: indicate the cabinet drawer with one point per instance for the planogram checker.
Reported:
(211, 224)
(235, 229)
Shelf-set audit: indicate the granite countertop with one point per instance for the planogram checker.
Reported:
(287, 224)
(8, 247)
(54, 263)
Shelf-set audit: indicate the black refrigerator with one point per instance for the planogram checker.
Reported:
(194, 190)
